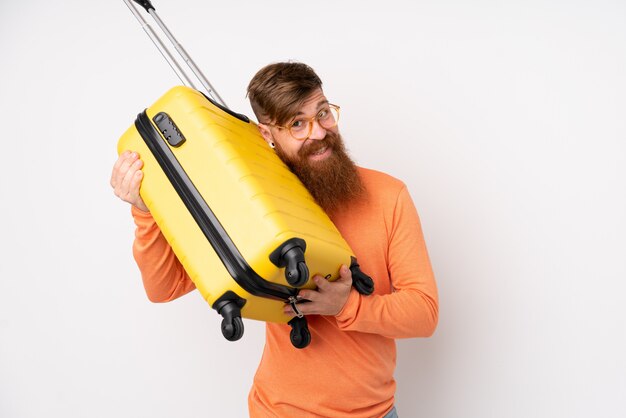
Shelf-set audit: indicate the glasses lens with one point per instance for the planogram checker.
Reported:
(300, 129)
(329, 117)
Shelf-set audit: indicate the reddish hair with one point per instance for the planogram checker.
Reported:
(277, 91)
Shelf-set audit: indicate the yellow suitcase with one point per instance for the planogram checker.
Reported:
(243, 226)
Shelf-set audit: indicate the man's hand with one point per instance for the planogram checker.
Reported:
(329, 297)
(126, 178)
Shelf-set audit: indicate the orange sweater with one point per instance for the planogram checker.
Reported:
(347, 370)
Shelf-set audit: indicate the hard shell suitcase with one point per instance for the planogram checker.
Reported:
(243, 226)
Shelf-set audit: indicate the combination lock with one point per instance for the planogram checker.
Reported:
(168, 129)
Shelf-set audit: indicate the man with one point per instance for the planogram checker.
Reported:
(347, 370)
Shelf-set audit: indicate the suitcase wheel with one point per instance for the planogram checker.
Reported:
(361, 281)
(300, 335)
(290, 254)
(232, 330)
(229, 306)
(298, 276)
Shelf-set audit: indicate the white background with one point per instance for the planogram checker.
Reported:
(505, 118)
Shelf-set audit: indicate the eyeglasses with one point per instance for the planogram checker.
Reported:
(301, 128)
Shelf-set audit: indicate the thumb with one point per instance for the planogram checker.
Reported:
(345, 274)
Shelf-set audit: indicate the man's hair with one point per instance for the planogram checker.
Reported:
(277, 91)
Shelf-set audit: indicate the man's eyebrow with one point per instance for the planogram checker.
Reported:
(321, 102)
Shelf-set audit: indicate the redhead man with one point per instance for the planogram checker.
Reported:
(347, 370)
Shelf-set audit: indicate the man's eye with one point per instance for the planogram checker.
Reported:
(297, 124)
(323, 114)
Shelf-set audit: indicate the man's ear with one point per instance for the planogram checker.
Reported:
(266, 134)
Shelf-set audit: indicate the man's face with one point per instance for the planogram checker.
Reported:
(313, 148)
(321, 161)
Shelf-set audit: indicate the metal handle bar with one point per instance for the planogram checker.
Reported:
(147, 5)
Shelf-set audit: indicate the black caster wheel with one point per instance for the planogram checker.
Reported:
(232, 330)
(300, 338)
(290, 255)
(361, 281)
(364, 286)
(299, 276)
(300, 335)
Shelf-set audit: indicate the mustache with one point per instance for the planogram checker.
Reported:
(330, 140)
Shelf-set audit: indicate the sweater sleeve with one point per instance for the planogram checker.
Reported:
(412, 308)
(163, 275)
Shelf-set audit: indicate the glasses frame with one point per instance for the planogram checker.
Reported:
(310, 121)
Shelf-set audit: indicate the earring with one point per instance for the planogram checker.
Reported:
(272, 145)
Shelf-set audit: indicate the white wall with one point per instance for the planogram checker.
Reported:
(505, 119)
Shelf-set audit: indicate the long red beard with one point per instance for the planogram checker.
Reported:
(334, 181)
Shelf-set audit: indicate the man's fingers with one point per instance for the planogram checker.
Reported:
(321, 282)
(126, 178)
(345, 272)
(308, 294)
(115, 173)
(116, 167)
(125, 186)
(123, 168)
(305, 308)
(135, 183)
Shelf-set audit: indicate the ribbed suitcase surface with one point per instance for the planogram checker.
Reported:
(256, 199)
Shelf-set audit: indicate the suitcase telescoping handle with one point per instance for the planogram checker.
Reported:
(147, 5)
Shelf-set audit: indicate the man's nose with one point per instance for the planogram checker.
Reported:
(317, 131)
